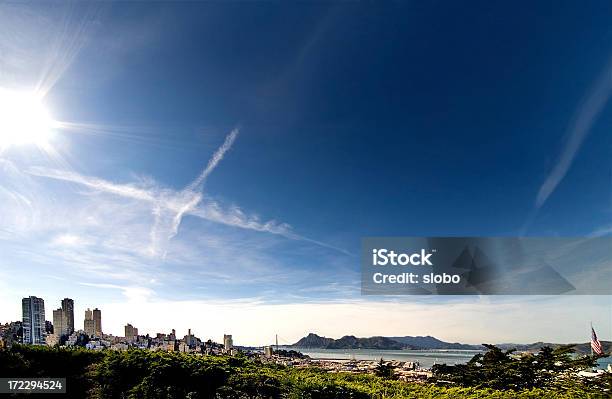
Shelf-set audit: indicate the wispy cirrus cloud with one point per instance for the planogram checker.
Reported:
(119, 239)
(169, 206)
(578, 130)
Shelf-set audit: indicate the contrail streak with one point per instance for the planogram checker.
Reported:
(192, 194)
(214, 161)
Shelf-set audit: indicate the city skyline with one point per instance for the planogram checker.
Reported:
(219, 327)
(215, 167)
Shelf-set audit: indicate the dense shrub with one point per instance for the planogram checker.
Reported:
(163, 375)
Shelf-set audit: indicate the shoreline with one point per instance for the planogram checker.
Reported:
(425, 358)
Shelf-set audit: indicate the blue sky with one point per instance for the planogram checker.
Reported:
(350, 120)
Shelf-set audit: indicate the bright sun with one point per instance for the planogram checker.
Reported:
(24, 120)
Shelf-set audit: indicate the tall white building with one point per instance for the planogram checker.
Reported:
(33, 312)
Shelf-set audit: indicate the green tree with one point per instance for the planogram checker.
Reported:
(384, 369)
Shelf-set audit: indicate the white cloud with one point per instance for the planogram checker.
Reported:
(602, 231)
(69, 240)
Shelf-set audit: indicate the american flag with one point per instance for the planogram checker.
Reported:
(595, 344)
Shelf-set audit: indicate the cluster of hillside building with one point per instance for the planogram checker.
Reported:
(33, 329)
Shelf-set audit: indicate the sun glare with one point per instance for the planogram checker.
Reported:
(24, 120)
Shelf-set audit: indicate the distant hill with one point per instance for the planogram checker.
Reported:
(351, 342)
(348, 342)
(429, 342)
(314, 341)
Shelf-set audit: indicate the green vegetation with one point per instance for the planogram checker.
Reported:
(384, 370)
(551, 369)
(144, 374)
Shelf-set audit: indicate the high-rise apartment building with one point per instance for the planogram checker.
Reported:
(88, 324)
(228, 342)
(60, 325)
(68, 308)
(130, 332)
(93, 322)
(189, 339)
(97, 317)
(33, 313)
